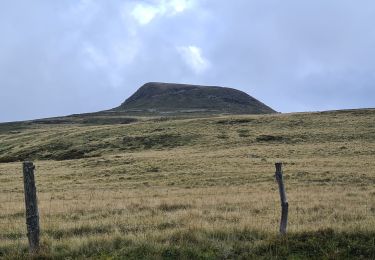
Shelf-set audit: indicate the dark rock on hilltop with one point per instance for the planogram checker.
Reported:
(169, 98)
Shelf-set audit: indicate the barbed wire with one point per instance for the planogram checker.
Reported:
(57, 209)
(265, 207)
(94, 197)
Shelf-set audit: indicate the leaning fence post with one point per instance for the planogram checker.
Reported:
(32, 214)
(283, 199)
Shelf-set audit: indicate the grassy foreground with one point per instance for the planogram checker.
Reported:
(193, 188)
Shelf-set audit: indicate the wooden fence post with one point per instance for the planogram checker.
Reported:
(32, 213)
(283, 199)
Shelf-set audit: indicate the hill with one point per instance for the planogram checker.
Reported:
(170, 98)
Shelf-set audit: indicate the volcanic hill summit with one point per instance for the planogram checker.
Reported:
(170, 98)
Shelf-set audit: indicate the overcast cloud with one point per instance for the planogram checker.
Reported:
(70, 56)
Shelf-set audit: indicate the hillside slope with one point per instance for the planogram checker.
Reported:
(168, 98)
(93, 136)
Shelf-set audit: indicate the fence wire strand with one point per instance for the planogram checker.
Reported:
(79, 210)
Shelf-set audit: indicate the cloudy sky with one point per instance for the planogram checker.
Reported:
(71, 56)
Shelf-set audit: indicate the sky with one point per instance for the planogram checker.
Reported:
(75, 56)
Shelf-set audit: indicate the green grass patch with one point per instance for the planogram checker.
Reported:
(231, 244)
(155, 141)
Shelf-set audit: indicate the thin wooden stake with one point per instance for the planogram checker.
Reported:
(283, 199)
(32, 213)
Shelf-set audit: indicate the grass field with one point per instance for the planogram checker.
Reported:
(193, 187)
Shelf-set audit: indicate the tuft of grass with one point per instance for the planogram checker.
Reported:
(235, 121)
(156, 141)
(269, 138)
(173, 207)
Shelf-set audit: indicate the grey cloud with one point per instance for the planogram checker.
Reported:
(62, 57)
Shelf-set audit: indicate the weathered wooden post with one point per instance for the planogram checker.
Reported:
(32, 213)
(283, 199)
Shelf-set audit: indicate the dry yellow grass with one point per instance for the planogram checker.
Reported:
(215, 179)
